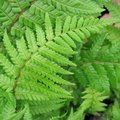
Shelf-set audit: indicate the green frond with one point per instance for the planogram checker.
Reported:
(42, 63)
(25, 13)
(96, 69)
(45, 106)
(34, 76)
(75, 7)
(53, 50)
(93, 102)
(94, 99)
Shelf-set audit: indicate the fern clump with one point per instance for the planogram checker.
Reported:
(59, 59)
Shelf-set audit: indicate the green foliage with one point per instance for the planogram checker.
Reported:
(92, 102)
(25, 13)
(54, 51)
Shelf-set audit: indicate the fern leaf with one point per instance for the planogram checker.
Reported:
(92, 102)
(25, 13)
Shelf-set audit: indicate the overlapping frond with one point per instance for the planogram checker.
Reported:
(25, 13)
(29, 74)
(42, 43)
(34, 65)
(99, 65)
(28, 61)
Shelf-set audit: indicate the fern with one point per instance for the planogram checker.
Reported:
(31, 59)
(52, 51)
(27, 13)
(92, 102)
(95, 67)
(29, 63)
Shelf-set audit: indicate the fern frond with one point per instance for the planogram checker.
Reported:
(93, 102)
(43, 37)
(71, 7)
(26, 13)
(26, 62)
(45, 106)
(39, 58)
(94, 67)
